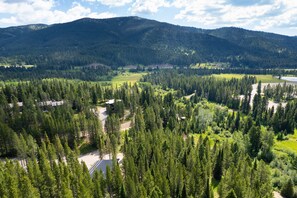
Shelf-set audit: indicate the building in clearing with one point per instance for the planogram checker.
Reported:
(112, 101)
(101, 165)
(42, 104)
(110, 104)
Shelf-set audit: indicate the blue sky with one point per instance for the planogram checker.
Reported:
(278, 16)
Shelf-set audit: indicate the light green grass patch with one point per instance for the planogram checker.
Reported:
(127, 77)
(262, 78)
(289, 145)
(212, 138)
(209, 65)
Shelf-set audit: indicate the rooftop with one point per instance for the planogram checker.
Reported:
(112, 101)
(101, 165)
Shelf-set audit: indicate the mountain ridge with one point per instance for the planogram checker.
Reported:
(123, 41)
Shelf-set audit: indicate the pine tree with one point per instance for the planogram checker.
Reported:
(184, 192)
(130, 187)
(122, 192)
(97, 185)
(218, 168)
(109, 181)
(26, 188)
(117, 182)
(255, 140)
(59, 149)
(11, 180)
(48, 188)
(231, 194)
(208, 190)
(288, 189)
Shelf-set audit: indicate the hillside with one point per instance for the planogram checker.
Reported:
(133, 40)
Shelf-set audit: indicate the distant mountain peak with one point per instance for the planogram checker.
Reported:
(133, 40)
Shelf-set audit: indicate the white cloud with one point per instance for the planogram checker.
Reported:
(115, 3)
(252, 14)
(261, 15)
(43, 11)
(111, 3)
(148, 6)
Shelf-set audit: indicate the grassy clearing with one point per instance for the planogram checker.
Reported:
(262, 78)
(203, 65)
(208, 65)
(287, 146)
(127, 77)
(86, 148)
(211, 136)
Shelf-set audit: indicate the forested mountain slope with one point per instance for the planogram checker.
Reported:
(133, 40)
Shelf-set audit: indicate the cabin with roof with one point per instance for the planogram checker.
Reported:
(101, 165)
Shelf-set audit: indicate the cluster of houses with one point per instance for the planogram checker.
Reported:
(42, 104)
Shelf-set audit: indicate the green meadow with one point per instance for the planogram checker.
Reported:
(289, 145)
(262, 78)
(127, 77)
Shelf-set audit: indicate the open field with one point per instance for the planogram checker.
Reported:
(208, 65)
(127, 77)
(289, 145)
(262, 78)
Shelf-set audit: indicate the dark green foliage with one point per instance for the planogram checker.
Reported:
(162, 157)
(205, 87)
(218, 167)
(288, 189)
(255, 140)
(231, 194)
(71, 121)
(100, 73)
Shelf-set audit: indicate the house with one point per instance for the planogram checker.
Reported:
(110, 104)
(112, 101)
(42, 104)
(101, 165)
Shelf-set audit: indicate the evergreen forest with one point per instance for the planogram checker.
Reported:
(190, 135)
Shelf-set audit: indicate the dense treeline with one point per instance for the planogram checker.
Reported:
(170, 151)
(21, 112)
(215, 90)
(157, 164)
(159, 161)
(227, 92)
(230, 70)
(162, 164)
(101, 73)
(279, 92)
(254, 121)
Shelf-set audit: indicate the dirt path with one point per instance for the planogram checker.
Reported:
(270, 102)
(102, 115)
(189, 96)
(125, 126)
(277, 195)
